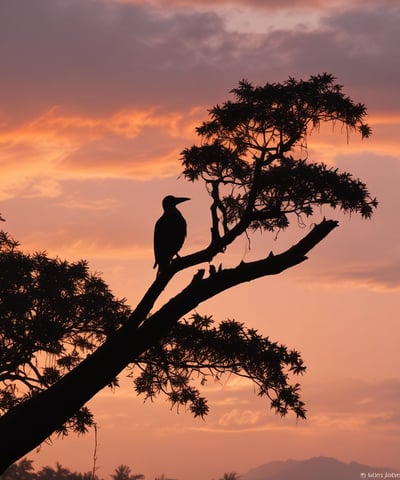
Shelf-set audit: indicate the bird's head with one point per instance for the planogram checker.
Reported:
(170, 201)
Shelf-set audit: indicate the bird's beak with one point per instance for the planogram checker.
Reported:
(180, 200)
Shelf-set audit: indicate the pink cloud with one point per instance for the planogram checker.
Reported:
(135, 55)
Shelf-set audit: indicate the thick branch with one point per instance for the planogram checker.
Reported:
(201, 289)
(47, 411)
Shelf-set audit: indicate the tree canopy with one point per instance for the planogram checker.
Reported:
(64, 336)
(53, 313)
(246, 155)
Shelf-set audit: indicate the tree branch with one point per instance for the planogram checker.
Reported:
(201, 289)
(47, 411)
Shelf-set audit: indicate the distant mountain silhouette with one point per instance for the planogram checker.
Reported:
(318, 468)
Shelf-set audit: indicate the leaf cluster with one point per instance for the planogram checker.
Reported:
(52, 315)
(123, 472)
(199, 349)
(253, 155)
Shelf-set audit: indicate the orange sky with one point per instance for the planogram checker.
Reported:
(97, 100)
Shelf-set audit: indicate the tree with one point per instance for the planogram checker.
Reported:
(22, 470)
(230, 476)
(253, 160)
(52, 313)
(59, 473)
(123, 472)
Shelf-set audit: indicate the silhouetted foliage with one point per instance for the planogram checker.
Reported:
(196, 348)
(24, 470)
(123, 472)
(64, 336)
(230, 476)
(61, 473)
(246, 155)
(53, 314)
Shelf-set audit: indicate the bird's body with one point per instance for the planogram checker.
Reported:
(169, 232)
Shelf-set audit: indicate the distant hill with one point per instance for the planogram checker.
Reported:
(318, 468)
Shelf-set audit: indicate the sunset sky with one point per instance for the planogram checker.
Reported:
(98, 99)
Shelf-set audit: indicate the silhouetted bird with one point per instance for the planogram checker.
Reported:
(169, 232)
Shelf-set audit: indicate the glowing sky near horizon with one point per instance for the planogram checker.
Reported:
(98, 98)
